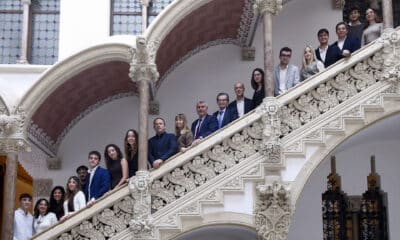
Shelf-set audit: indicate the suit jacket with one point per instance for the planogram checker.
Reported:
(228, 117)
(162, 147)
(101, 183)
(248, 106)
(292, 78)
(208, 126)
(334, 54)
(318, 55)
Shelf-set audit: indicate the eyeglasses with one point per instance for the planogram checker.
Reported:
(286, 55)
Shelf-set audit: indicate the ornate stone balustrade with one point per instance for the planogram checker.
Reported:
(258, 133)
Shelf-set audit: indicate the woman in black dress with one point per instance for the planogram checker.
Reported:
(257, 82)
(131, 150)
(116, 165)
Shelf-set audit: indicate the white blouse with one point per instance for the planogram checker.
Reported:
(79, 203)
(43, 222)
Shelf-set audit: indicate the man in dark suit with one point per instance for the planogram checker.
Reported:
(343, 47)
(241, 105)
(224, 114)
(323, 38)
(205, 124)
(163, 145)
(98, 180)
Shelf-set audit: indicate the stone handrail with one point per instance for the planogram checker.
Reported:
(258, 132)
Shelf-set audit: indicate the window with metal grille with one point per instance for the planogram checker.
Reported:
(126, 17)
(10, 31)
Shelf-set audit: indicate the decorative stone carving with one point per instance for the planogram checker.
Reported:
(13, 145)
(391, 58)
(339, 4)
(53, 163)
(42, 187)
(203, 168)
(145, 2)
(271, 143)
(143, 65)
(142, 223)
(154, 107)
(8, 125)
(270, 6)
(272, 211)
(248, 53)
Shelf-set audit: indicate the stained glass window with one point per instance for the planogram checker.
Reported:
(156, 6)
(126, 17)
(45, 29)
(10, 31)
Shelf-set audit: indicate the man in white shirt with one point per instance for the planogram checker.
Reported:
(286, 75)
(323, 38)
(23, 220)
(241, 105)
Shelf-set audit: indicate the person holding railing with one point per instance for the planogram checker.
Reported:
(131, 151)
(116, 164)
(373, 27)
(42, 217)
(205, 124)
(74, 197)
(224, 115)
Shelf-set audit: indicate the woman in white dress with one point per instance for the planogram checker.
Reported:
(373, 27)
(74, 198)
(42, 217)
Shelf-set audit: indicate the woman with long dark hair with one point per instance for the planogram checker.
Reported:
(116, 165)
(257, 83)
(74, 198)
(373, 27)
(56, 201)
(42, 218)
(131, 141)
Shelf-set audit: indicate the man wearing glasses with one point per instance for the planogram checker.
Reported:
(286, 75)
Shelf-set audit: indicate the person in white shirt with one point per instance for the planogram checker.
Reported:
(74, 198)
(286, 75)
(241, 105)
(42, 217)
(23, 219)
(323, 38)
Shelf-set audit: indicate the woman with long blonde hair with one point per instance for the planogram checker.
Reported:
(184, 135)
(310, 65)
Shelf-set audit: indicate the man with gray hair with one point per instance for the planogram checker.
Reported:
(205, 124)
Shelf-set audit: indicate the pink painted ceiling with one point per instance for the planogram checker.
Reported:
(218, 19)
(78, 93)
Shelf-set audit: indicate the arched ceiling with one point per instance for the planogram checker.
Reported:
(214, 20)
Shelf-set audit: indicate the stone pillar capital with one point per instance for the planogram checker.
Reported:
(268, 6)
(145, 3)
(12, 132)
(270, 111)
(142, 66)
(273, 210)
(28, 2)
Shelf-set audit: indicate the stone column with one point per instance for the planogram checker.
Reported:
(23, 59)
(267, 8)
(145, 5)
(12, 142)
(9, 196)
(387, 10)
(143, 72)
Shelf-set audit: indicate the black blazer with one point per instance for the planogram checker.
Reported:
(228, 117)
(248, 106)
(318, 55)
(208, 126)
(334, 53)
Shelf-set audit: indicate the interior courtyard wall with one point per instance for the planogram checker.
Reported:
(353, 165)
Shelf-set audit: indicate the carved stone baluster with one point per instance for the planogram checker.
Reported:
(143, 71)
(391, 58)
(273, 210)
(271, 143)
(267, 8)
(142, 223)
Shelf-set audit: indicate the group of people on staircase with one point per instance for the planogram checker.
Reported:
(93, 182)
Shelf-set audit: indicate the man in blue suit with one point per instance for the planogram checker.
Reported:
(98, 180)
(286, 75)
(241, 105)
(343, 47)
(224, 115)
(205, 124)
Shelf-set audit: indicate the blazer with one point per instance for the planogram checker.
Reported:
(162, 147)
(101, 183)
(228, 117)
(292, 78)
(334, 54)
(318, 55)
(208, 126)
(248, 106)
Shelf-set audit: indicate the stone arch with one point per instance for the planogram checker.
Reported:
(315, 159)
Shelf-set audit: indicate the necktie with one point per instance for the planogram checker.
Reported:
(220, 118)
(197, 134)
